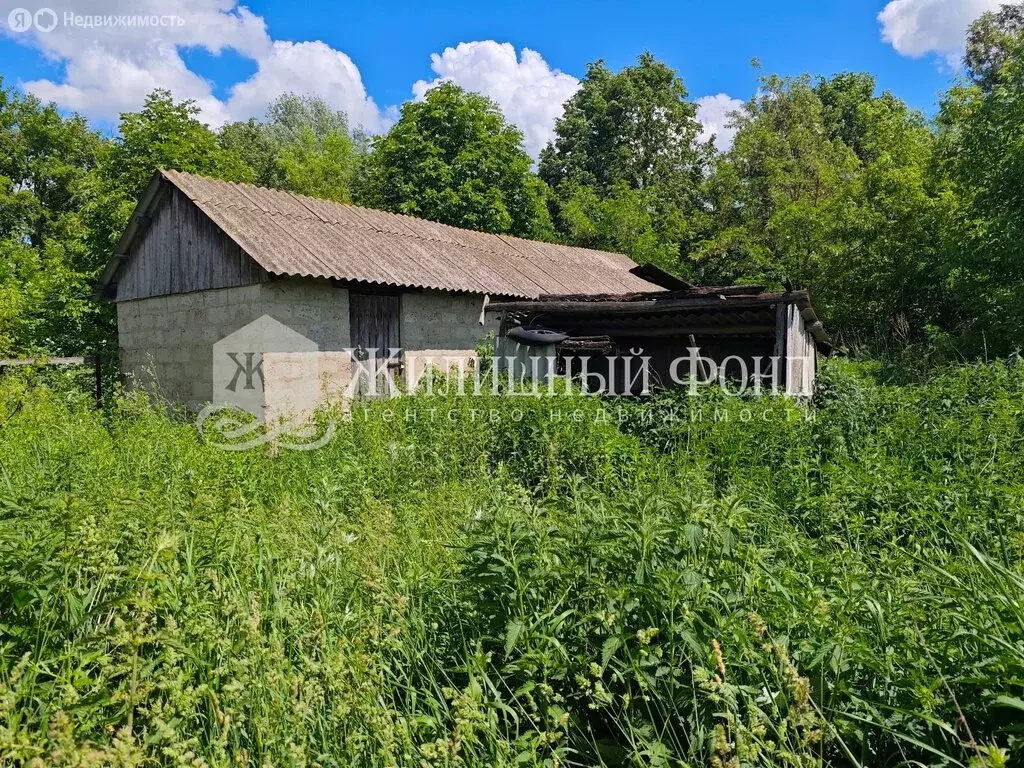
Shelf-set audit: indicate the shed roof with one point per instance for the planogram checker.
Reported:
(290, 234)
(727, 310)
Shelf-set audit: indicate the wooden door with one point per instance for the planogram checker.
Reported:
(373, 324)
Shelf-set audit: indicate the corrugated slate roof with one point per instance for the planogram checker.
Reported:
(290, 234)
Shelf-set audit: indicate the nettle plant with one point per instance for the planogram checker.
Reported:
(839, 584)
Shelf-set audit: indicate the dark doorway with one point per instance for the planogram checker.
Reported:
(373, 326)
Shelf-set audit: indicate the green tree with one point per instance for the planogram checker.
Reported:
(46, 176)
(635, 126)
(166, 134)
(842, 98)
(621, 220)
(982, 160)
(452, 158)
(303, 146)
(319, 168)
(252, 143)
(773, 190)
(827, 187)
(989, 39)
(626, 163)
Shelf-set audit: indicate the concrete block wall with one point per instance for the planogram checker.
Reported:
(441, 328)
(166, 342)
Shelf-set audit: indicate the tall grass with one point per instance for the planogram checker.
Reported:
(511, 581)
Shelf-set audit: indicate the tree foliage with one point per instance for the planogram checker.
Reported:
(453, 158)
(303, 146)
(626, 163)
(46, 175)
(635, 126)
(827, 187)
(982, 159)
(166, 134)
(990, 41)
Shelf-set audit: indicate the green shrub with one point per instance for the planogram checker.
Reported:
(501, 580)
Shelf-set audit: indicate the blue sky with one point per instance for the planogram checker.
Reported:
(367, 58)
(710, 44)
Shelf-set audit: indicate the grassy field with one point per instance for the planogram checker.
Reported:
(514, 581)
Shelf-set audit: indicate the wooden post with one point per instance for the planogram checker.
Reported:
(781, 353)
(99, 381)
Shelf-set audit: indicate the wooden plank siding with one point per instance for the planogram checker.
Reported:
(374, 325)
(801, 355)
(373, 320)
(183, 251)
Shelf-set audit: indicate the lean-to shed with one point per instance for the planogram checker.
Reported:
(771, 339)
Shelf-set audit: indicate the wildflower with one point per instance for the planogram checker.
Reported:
(644, 636)
(719, 659)
(758, 623)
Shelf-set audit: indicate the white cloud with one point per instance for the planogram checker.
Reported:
(110, 68)
(313, 68)
(917, 27)
(714, 114)
(529, 92)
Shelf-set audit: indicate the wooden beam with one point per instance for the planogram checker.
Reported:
(568, 307)
(728, 290)
(780, 340)
(658, 276)
(647, 306)
(682, 330)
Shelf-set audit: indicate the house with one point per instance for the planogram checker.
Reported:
(202, 258)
